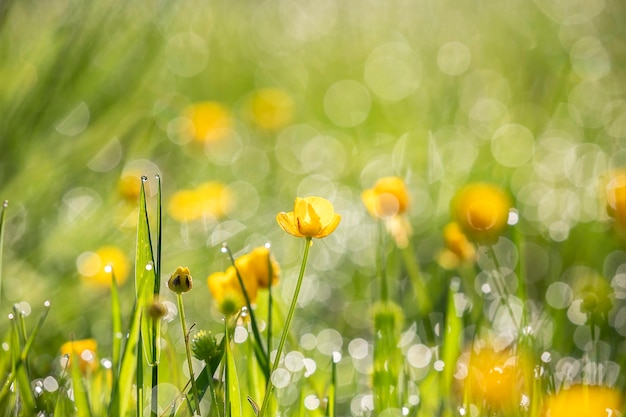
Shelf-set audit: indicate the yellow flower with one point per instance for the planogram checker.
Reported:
(129, 186)
(584, 401)
(255, 266)
(85, 350)
(209, 121)
(226, 290)
(482, 211)
(311, 217)
(271, 108)
(387, 198)
(497, 379)
(181, 281)
(615, 194)
(92, 266)
(208, 200)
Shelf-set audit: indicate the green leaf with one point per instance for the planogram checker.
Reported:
(79, 390)
(146, 284)
(116, 320)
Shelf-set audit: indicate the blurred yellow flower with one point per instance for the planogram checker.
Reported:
(254, 270)
(482, 211)
(584, 401)
(85, 350)
(255, 264)
(209, 121)
(615, 194)
(271, 108)
(92, 266)
(129, 186)
(497, 380)
(387, 198)
(311, 217)
(457, 248)
(208, 200)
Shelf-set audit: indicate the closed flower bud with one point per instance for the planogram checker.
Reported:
(180, 282)
(205, 347)
(156, 309)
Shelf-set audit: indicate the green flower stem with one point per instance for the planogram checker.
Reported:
(424, 302)
(194, 388)
(283, 337)
(382, 263)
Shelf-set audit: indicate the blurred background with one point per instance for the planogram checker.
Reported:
(242, 106)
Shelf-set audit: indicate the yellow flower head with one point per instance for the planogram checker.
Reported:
(497, 379)
(457, 243)
(482, 211)
(226, 290)
(615, 195)
(85, 350)
(208, 200)
(92, 266)
(584, 401)
(209, 121)
(311, 217)
(129, 186)
(271, 108)
(254, 266)
(387, 198)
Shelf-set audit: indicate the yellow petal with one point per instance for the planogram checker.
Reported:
(330, 227)
(287, 222)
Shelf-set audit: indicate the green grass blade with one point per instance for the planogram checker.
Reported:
(122, 390)
(81, 400)
(145, 280)
(2, 217)
(232, 381)
(116, 320)
(332, 390)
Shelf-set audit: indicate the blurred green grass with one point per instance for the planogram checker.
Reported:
(89, 89)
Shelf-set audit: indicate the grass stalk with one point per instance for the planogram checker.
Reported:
(183, 324)
(283, 337)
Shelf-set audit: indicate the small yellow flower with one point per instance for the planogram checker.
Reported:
(209, 121)
(226, 290)
(85, 350)
(208, 200)
(615, 195)
(497, 379)
(457, 248)
(311, 217)
(255, 266)
(388, 197)
(92, 266)
(584, 401)
(482, 211)
(271, 108)
(181, 281)
(129, 186)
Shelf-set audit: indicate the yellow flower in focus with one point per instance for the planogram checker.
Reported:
(497, 379)
(482, 211)
(92, 266)
(208, 200)
(271, 108)
(615, 195)
(209, 121)
(85, 350)
(388, 197)
(584, 401)
(311, 217)
(255, 266)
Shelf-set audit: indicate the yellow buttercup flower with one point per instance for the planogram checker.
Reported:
(584, 401)
(271, 108)
(255, 265)
(311, 217)
(497, 380)
(458, 249)
(129, 186)
(615, 195)
(388, 197)
(226, 290)
(85, 350)
(92, 266)
(482, 211)
(208, 200)
(209, 121)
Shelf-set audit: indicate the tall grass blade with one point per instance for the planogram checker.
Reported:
(2, 217)
(116, 321)
(232, 390)
(79, 390)
(145, 281)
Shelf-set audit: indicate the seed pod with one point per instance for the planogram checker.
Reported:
(180, 282)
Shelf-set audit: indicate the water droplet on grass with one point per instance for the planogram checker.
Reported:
(281, 378)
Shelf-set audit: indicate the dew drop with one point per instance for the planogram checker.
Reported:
(149, 266)
(439, 365)
(311, 402)
(108, 269)
(5, 204)
(224, 248)
(157, 176)
(144, 178)
(336, 357)
(46, 303)
(268, 245)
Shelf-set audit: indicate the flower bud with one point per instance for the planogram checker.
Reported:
(180, 282)
(205, 347)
